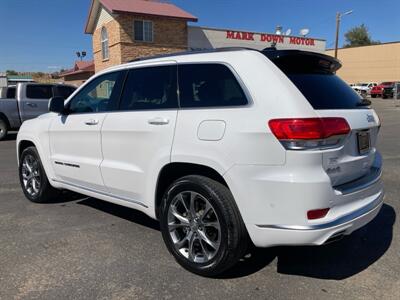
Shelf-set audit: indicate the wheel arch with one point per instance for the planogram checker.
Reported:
(22, 145)
(174, 170)
(4, 117)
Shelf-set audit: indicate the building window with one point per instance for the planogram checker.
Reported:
(143, 30)
(104, 43)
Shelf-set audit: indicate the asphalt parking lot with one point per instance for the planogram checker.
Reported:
(88, 249)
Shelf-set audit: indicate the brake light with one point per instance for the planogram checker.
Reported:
(309, 133)
(317, 213)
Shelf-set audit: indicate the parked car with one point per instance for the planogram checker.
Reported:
(364, 88)
(376, 91)
(388, 90)
(198, 142)
(26, 101)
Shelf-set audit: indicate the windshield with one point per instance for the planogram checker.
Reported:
(314, 76)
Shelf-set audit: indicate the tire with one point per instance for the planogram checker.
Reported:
(229, 242)
(33, 179)
(384, 96)
(373, 96)
(3, 128)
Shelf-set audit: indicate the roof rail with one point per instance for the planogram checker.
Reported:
(193, 51)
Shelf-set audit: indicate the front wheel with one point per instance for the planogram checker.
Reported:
(33, 179)
(201, 225)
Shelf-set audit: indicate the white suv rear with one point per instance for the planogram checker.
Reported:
(224, 147)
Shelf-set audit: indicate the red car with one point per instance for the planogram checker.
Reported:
(376, 91)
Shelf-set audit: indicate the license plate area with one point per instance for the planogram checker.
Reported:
(363, 142)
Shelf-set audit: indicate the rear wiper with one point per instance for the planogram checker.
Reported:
(364, 102)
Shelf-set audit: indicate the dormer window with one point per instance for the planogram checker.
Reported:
(104, 43)
(143, 30)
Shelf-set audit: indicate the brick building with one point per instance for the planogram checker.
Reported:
(127, 29)
(81, 72)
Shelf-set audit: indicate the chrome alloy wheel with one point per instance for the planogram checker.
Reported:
(194, 227)
(31, 175)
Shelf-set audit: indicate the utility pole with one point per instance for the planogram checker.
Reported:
(337, 32)
(338, 18)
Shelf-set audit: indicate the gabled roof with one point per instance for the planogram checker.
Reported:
(80, 67)
(141, 7)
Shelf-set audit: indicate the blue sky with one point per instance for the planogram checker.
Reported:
(43, 35)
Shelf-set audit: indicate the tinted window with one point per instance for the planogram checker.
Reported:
(10, 93)
(64, 91)
(314, 75)
(99, 95)
(39, 91)
(206, 85)
(150, 88)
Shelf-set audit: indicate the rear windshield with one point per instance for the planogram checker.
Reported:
(314, 75)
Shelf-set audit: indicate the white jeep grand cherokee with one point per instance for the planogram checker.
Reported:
(223, 147)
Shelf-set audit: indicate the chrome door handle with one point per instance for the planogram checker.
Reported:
(159, 121)
(92, 122)
(31, 104)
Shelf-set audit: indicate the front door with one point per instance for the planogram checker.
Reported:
(75, 138)
(137, 140)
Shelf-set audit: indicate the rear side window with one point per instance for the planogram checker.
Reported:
(10, 93)
(63, 91)
(209, 85)
(150, 88)
(39, 91)
(314, 76)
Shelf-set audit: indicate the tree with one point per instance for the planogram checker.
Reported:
(359, 36)
(11, 72)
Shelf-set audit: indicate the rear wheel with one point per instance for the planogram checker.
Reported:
(373, 95)
(33, 179)
(3, 128)
(201, 225)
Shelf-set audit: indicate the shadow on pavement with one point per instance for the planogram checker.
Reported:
(345, 258)
(338, 260)
(126, 213)
(10, 137)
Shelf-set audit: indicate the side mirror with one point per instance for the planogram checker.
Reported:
(56, 104)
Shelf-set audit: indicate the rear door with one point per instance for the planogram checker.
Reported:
(35, 101)
(137, 139)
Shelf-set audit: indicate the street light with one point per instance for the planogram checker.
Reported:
(338, 17)
(81, 54)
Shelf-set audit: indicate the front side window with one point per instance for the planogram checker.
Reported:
(104, 43)
(143, 30)
(39, 91)
(150, 88)
(99, 95)
(209, 85)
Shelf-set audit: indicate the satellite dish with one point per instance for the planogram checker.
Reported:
(304, 31)
(288, 32)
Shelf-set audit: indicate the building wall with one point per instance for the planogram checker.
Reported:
(169, 35)
(114, 44)
(77, 79)
(375, 63)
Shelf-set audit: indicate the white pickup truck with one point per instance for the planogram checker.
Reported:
(27, 101)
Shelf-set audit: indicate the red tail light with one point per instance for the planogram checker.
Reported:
(298, 134)
(317, 213)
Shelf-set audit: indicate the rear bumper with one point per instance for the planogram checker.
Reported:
(274, 200)
(314, 234)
